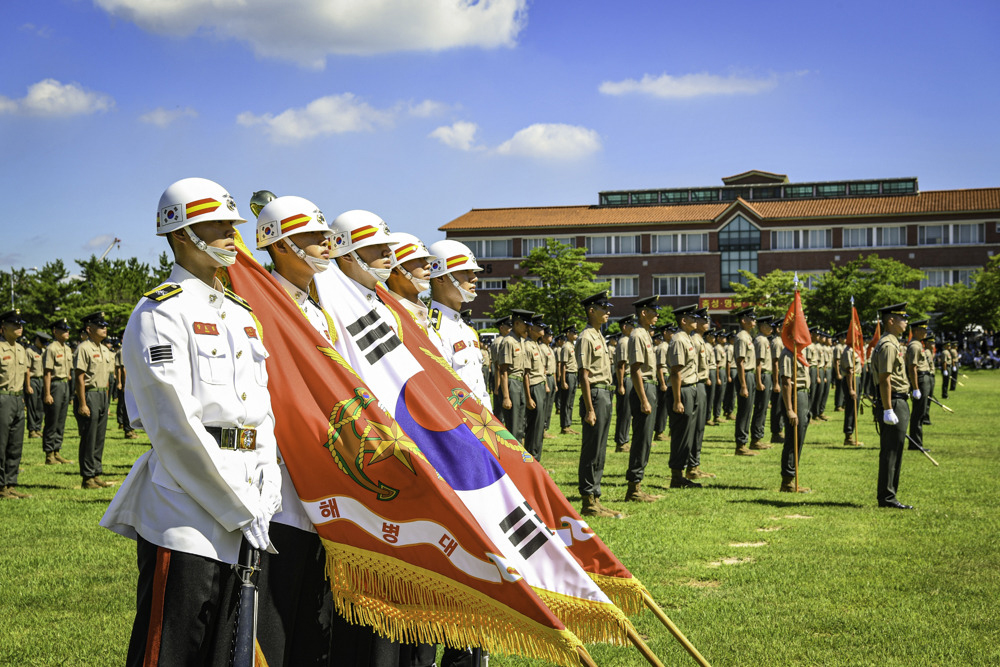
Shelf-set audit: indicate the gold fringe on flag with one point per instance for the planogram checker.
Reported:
(626, 593)
(408, 603)
(592, 622)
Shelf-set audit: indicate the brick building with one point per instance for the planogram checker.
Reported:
(689, 243)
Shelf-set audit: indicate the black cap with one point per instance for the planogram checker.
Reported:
(601, 300)
(61, 323)
(519, 314)
(97, 319)
(12, 317)
(686, 311)
(42, 335)
(701, 313)
(646, 302)
(627, 320)
(919, 323)
(765, 319)
(897, 309)
(929, 338)
(503, 321)
(615, 336)
(570, 329)
(746, 312)
(537, 321)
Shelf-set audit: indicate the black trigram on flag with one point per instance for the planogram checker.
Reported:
(532, 533)
(372, 341)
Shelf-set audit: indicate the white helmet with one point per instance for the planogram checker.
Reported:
(408, 247)
(451, 256)
(357, 229)
(192, 200)
(285, 216)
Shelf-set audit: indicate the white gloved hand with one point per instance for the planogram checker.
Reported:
(889, 417)
(255, 532)
(916, 394)
(945, 373)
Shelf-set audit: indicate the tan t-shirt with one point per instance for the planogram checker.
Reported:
(513, 353)
(58, 358)
(35, 362)
(744, 349)
(550, 358)
(640, 351)
(536, 368)
(97, 363)
(800, 373)
(13, 366)
(567, 355)
(682, 353)
(915, 356)
(762, 348)
(701, 353)
(890, 358)
(592, 354)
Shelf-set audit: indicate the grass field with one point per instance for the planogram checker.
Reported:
(751, 576)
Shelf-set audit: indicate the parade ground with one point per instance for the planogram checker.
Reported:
(750, 575)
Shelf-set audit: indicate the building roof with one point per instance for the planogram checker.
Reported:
(982, 200)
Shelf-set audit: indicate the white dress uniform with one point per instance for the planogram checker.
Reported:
(421, 315)
(460, 346)
(292, 512)
(195, 359)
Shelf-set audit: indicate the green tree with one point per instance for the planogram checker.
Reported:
(113, 286)
(873, 281)
(562, 277)
(772, 293)
(41, 294)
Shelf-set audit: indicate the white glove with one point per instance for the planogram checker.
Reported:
(889, 417)
(945, 373)
(916, 394)
(255, 532)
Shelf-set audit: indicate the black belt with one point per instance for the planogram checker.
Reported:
(898, 396)
(244, 439)
(606, 386)
(919, 373)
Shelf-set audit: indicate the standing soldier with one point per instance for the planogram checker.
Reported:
(891, 409)
(795, 395)
(33, 393)
(566, 376)
(732, 386)
(702, 352)
(411, 267)
(453, 282)
(838, 379)
(826, 376)
(642, 398)
(682, 360)
(929, 360)
(722, 372)
(945, 363)
(514, 363)
(58, 371)
(594, 361)
(503, 327)
(93, 366)
(14, 381)
(812, 355)
(777, 405)
(545, 345)
(623, 382)
(765, 382)
(746, 379)
(919, 374)
(850, 370)
(121, 412)
(956, 359)
(536, 390)
(662, 371)
(713, 376)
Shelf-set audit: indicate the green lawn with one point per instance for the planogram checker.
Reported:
(751, 576)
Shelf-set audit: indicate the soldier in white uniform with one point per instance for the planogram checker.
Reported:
(295, 625)
(198, 386)
(453, 283)
(411, 268)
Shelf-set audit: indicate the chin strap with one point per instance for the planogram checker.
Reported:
(318, 264)
(422, 284)
(222, 256)
(380, 275)
(467, 296)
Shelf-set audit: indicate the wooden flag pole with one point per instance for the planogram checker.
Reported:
(854, 386)
(585, 658)
(646, 652)
(795, 406)
(674, 630)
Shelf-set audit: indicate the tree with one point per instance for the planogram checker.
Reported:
(873, 281)
(771, 294)
(113, 286)
(563, 278)
(42, 293)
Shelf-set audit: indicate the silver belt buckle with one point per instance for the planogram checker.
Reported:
(243, 439)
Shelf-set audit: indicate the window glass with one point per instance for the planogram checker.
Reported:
(932, 234)
(864, 188)
(766, 193)
(891, 236)
(784, 240)
(664, 243)
(695, 242)
(614, 199)
(492, 284)
(679, 285)
(628, 245)
(818, 238)
(704, 195)
(599, 245)
(898, 187)
(831, 190)
(971, 233)
(674, 196)
(798, 191)
(646, 198)
(857, 237)
(624, 286)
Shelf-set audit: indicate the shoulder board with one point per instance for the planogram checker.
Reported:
(435, 318)
(163, 292)
(238, 299)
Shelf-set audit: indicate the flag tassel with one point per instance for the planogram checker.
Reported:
(674, 630)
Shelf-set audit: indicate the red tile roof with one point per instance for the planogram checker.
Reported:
(983, 200)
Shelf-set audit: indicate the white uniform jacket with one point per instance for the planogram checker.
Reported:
(194, 358)
(460, 347)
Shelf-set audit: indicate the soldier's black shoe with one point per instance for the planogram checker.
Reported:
(895, 504)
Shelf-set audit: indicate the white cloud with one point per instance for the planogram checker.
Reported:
(161, 117)
(51, 98)
(552, 141)
(333, 114)
(99, 242)
(307, 31)
(42, 31)
(689, 85)
(427, 108)
(460, 135)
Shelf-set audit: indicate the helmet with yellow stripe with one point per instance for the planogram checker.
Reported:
(408, 247)
(357, 229)
(451, 256)
(192, 200)
(285, 216)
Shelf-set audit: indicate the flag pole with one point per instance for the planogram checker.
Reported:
(646, 652)
(585, 658)
(674, 630)
(854, 364)
(795, 406)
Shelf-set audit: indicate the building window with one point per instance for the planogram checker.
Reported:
(968, 234)
(864, 188)
(671, 243)
(491, 284)
(613, 245)
(767, 193)
(674, 197)
(704, 195)
(479, 325)
(817, 238)
(785, 240)
(679, 285)
(645, 197)
(529, 244)
(890, 236)
(493, 248)
(793, 239)
(898, 187)
(932, 234)
(622, 285)
(942, 277)
(831, 190)
(857, 237)
(795, 191)
(615, 199)
(739, 243)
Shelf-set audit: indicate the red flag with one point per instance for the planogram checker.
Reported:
(855, 337)
(404, 554)
(874, 341)
(795, 330)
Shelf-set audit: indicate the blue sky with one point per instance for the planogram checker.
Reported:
(420, 110)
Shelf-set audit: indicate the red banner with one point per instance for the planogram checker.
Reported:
(795, 330)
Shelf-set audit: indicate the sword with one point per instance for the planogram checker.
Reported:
(245, 635)
(946, 408)
(914, 443)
